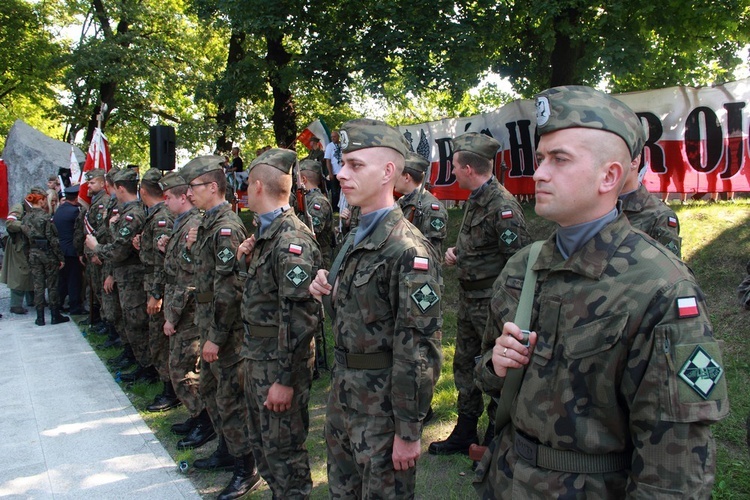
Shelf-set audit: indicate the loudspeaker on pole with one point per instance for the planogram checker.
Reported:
(162, 142)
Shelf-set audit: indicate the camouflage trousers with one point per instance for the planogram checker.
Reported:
(184, 365)
(278, 439)
(158, 345)
(359, 450)
(44, 268)
(222, 389)
(93, 274)
(472, 319)
(133, 305)
(111, 310)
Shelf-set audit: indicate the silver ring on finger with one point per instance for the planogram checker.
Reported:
(505, 351)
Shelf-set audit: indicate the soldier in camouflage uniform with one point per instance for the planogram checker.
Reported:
(646, 211)
(218, 293)
(94, 221)
(386, 314)
(492, 230)
(623, 375)
(158, 223)
(281, 319)
(127, 270)
(420, 207)
(45, 256)
(318, 208)
(179, 302)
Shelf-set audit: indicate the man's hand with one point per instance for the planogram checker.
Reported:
(405, 453)
(91, 242)
(509, 352)
(137, 241)
(246, 248)
(153, 306)
(109, 284)
(114, 219)
(169, 329)
(192, 237)
(320, 286)
(210, 352)
(450, 257)
(162, 242)
(62, 264)
(279, 398)
(96, 260)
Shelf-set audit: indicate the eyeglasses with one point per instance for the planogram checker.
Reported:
(193, 186)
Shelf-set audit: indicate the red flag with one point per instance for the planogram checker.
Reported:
(97, 157)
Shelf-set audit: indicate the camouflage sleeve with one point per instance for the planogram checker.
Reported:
(417, 355)
(176, 299)
(122, 232)
(54, 240)
(321, 218)
(675, 388)
(227, 285)
(163, 227)
(666, 230)
(435, 223)
(79, 235)
(296, 263)
(510, 228)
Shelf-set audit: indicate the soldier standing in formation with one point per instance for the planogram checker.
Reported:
(318, 208)
(492, 230)
(420, 207)
(281, 319)
(45, 257)
(158, 223)
(623, 375)
(386, 314)
(218, 292)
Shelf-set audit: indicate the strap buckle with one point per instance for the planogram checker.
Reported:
(526, 448)
(339, 354)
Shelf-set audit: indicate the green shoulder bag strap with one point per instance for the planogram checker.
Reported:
(514, 376)
(335, 268)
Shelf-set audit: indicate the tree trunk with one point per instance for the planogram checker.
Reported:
(567, 52)
(284, 115)
(227, 115)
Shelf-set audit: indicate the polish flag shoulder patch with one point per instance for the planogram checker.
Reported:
(12, 217)
(295, 249)
(101, 206)
(421, 263)
(435, 206)
(672, 222)
(506, 214)
(115, 210)
(225, 231)
(316, 206)
(162, 223)
(128, 217)
(687, 307)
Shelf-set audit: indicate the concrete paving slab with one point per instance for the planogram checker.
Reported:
(69, 431)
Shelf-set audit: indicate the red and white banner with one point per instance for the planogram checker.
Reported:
(697, 141)
(317, 129)
(97, 157)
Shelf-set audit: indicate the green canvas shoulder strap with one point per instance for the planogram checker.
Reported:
(514, 376)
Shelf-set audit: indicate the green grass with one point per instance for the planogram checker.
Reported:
(716, 245)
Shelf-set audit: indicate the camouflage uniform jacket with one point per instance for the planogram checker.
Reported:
(38, 227)
(652, 216)
(625, 362)
(320, 211)
(119, 251)
(493, 229)
(429, 216)
(158, 223)
(179, 269)
(218, 287)
(388, 300)
(105, 236)
(282, 265)
(96, 218)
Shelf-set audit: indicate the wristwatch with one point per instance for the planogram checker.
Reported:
(156, 295)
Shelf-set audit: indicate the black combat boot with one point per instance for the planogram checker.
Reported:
(113, 338)
(463, 436)
(39, 316)
(184, 428)
(58, 318)
(124, 359)
(202, 433)
(219, 459)
(147, 375)
(244, 480)
(166, 400)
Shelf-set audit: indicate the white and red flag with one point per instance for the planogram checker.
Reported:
(318, 129)
(97, 157)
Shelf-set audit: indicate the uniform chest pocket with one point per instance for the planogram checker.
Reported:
(481, 231)
(371, 290)
(259, 280)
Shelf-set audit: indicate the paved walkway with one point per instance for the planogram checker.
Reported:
(66, 428)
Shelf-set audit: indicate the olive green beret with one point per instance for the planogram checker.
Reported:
(201, 165)
(171, 180)
(576, 106)
(311, 165)
(92, 174)
(152, 175)
(365, 133)
(416, 162)
(280, 159)
(125, 174)
(474, 142)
